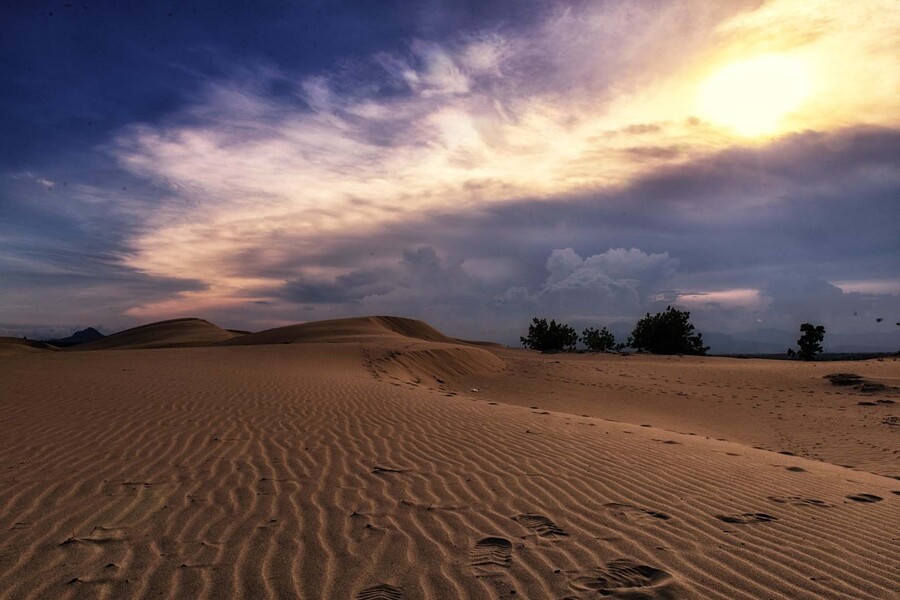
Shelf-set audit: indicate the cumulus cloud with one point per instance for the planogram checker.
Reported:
(474, 157)
(803, 298)
(616, 283)
(483, 118)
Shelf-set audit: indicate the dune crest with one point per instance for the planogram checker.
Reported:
(433, 363)
(345, 330)
(395, 348)
(12, 346)
(162, 334)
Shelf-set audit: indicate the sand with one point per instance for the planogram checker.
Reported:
(173, 333)
(367, 466)
(11, 346)
(783, 406)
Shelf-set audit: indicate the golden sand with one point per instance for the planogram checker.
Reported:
(372, 458)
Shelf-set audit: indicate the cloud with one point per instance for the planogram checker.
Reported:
(460, 123)
(420, 276)
(48, 183)
(802, 298)
(436, 177)
(615, 284)
(350, 287)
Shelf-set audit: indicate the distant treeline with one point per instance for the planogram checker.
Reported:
(667, 332)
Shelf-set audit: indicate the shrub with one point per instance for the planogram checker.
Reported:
(668, 332)
(551, 336)
(810, 342)
(598, 341)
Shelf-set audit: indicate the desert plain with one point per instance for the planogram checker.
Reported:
(377, 458)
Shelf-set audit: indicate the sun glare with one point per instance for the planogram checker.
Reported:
(752, 97)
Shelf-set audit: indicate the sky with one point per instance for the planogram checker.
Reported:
(472, 164)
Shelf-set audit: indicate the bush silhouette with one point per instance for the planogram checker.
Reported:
(810, 342)
(551, 336)
(598, 341)
(668, 332)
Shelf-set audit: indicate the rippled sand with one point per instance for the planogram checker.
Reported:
(365, 465)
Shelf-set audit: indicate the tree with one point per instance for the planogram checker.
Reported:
(598, 341)
(548, 337)
(810, 342)
(668, 332)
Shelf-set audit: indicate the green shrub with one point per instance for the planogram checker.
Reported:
(598, 341)
(810, 342)
(551, 336)
(668, 332)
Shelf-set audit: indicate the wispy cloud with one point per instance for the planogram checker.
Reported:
(342, 187)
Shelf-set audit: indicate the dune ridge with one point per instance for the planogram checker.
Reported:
(13, 346)
(301, 471)
(431, 363)
(345, 330)
(161, 334)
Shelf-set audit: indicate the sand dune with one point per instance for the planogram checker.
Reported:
(783, 406)
(348, 470)
(162, 334)
(345, 330)
(12, 346)
(401, 349)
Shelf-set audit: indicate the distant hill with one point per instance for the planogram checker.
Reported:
(163, 334)
(79, 337)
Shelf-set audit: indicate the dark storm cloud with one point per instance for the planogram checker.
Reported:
(419, 272)
(451, 161)
(785, 220)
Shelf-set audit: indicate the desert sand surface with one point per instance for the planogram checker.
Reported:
(11, 346)
(779, 405)
(373, 459)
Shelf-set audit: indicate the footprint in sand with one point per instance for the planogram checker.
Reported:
(541, 525)
(865, 498)
(747, 518)
(635, 512)
(491, 554)
(624, 576)
(799, 501)
(382, 591)
(100, 536)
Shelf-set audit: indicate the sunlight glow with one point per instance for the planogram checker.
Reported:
(752, 97)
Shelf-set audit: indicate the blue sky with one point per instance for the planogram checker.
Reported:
(469, 163)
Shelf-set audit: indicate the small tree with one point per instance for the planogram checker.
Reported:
(551, 336)
(810, 342)
(598, 341)
(668, 332)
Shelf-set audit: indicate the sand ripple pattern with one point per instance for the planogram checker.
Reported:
(382, 591)
(624, 575)
(541, 525)
(296, 471)
(491, 552)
